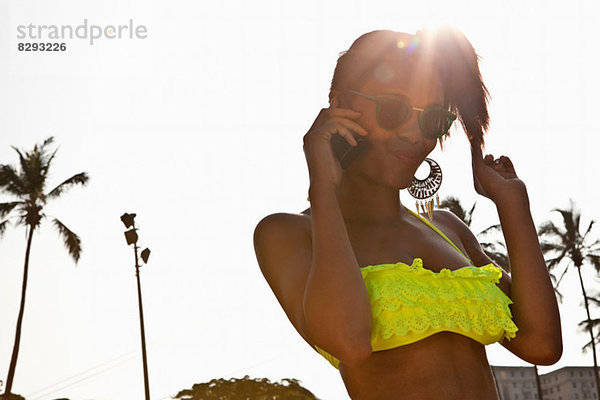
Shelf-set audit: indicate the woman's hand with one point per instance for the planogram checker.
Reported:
(495, 179)
(323, 167)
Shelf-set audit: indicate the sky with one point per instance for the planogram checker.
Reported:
(196, 125)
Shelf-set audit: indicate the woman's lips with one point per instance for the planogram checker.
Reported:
(407, 158)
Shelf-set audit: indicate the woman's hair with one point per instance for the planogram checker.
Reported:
(452, 55)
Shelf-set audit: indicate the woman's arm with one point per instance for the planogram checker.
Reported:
(534, 308)
(317, 281)
(336, 304)
(319, 284)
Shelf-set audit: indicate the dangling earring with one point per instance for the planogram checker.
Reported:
(424, 189)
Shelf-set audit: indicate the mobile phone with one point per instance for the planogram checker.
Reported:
(344, 151)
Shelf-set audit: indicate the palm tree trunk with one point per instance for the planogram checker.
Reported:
(15, 353)
(587, 310)
(537, 383)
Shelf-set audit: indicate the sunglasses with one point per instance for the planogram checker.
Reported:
(393, 112)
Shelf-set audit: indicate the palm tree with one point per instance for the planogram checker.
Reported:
(567, 243)
(593, 324)
(496, 249)
(27, 184)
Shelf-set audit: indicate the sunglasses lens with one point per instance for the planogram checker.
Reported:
(435, 122)
(392, 113)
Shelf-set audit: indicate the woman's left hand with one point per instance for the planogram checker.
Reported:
(495, 178)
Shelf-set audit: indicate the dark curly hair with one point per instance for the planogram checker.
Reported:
(452, 56)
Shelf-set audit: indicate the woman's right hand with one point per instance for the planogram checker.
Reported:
(323, 167)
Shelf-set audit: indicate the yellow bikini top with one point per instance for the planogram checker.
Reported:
(410, 303)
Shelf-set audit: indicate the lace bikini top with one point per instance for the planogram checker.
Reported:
(410, 303)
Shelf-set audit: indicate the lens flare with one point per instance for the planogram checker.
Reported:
(413, 45)
(383, 73)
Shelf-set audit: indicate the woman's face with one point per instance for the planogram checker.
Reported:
(393, 156)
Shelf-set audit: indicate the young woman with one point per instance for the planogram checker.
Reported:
(403, 304)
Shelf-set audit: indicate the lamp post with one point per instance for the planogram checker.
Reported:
(131, 237)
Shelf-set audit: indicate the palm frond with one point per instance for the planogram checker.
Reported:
(555, 287)
(548, 247)
(559, 295)
(6, 208)
(3, 226)
(595, 260)
(588, 346)
(34, 168)
(71, 240)
(569, 217)
(491, 246)
(562, 275)
(453, 205)
(553, 262)
(497, 253)
(78, 179)
(500, 260)
(470, 213)
(48, 141)
(11, 182)
(594, 300)
(589, 228)
(491, 229)
(48, 161)
(29, 164)
(548, 228)
(588, 324)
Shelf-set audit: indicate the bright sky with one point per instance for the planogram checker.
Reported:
(198, 129)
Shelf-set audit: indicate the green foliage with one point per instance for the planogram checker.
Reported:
(246, 389)
(11, 396)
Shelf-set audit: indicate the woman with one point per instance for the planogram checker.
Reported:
(402, 306)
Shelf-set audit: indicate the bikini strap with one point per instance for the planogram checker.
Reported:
(438, 231)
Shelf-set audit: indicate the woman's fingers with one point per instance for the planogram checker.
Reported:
(499, 162)
(476, 155)
(351, 125)
(343, 131)
(342, 115)
(322, 149)
(345, 116)
(340, 121)
(507, 161)
(343, 112)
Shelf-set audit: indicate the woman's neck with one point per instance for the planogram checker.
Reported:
(365, 201)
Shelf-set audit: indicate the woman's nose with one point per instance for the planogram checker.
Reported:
(410, 130)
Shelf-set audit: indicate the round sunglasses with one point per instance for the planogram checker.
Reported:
(393, 112)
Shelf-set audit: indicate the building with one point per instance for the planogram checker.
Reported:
(567, 383)
(515, 383)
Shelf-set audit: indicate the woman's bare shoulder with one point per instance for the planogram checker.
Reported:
(300, 220)
(283, 250)
(283, 226)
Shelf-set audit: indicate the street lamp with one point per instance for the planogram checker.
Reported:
(131, 237)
